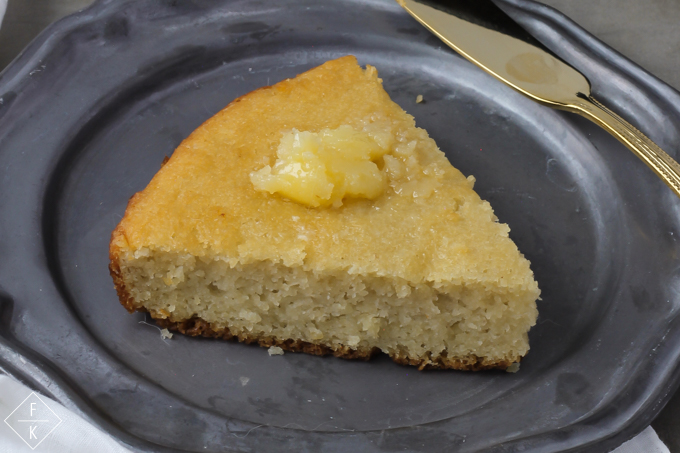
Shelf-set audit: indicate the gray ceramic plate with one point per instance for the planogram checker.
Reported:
(90, 109)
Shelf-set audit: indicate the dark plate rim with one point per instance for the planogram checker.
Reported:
(19, 362)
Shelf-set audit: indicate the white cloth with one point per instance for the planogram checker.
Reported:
(645, 442)
(75, 435)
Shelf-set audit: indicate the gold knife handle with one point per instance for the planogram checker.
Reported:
(657, 159)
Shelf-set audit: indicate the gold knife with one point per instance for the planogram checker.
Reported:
(482, 33)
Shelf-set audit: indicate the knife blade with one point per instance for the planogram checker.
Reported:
(484, 34)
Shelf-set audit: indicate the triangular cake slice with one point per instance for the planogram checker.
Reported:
(313, 215)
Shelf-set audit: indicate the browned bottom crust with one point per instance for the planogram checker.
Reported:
(199, 327)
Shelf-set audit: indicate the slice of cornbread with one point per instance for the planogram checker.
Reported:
(314, 216)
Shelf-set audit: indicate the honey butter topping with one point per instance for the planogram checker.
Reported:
(320, 169)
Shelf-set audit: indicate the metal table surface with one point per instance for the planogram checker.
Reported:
(644, 31)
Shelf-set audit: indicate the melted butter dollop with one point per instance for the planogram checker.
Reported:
(320, 169)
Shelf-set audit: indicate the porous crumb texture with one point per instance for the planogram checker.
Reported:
(424, 273)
